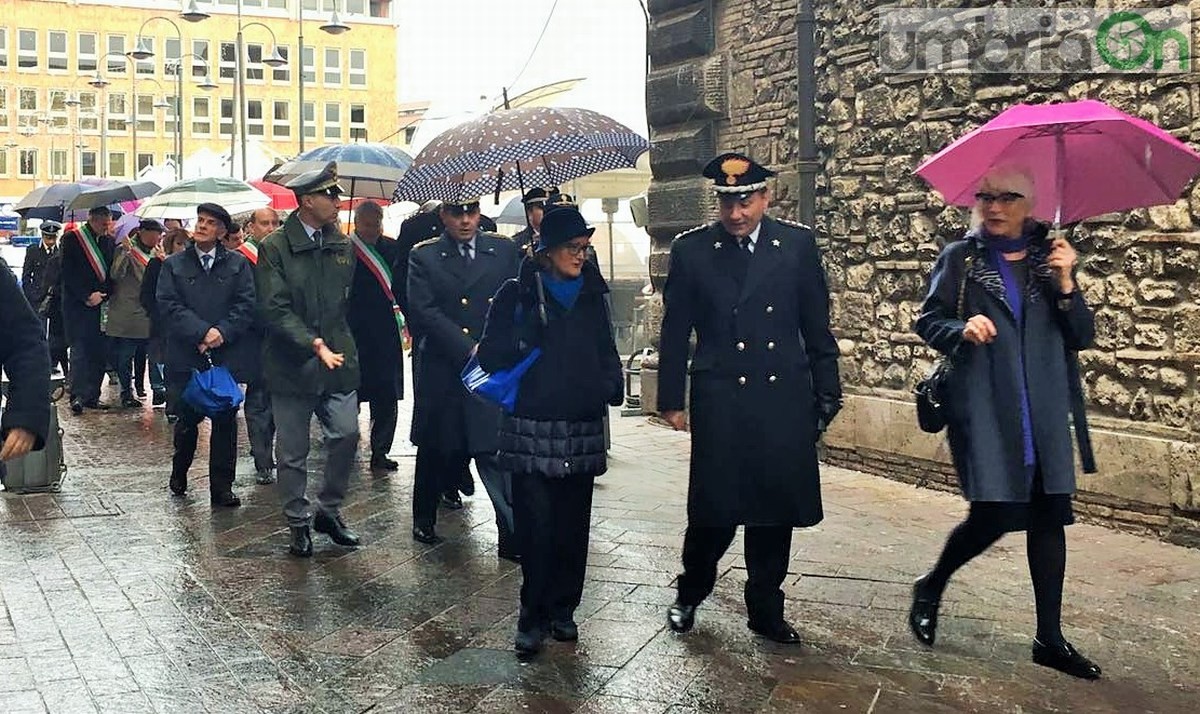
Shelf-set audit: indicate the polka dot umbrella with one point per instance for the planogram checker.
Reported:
(514, 149)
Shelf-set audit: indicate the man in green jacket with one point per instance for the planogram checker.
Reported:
(310, 361)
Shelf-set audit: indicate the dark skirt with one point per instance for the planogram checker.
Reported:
(1045, 509)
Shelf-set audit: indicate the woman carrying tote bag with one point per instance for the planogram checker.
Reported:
(553, 440)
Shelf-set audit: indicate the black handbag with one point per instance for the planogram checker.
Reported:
(932, 393)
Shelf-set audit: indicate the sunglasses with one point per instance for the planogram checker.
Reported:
(1004, 199)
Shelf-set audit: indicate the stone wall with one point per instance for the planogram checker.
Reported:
(720, 81)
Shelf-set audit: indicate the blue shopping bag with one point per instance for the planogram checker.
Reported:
(213, 391)
(500, 386)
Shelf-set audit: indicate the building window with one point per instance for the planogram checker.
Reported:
(358, 122)
(89, 120)
(228, 64)
(225, 128)
(56, 51)
(254, 63)
(3, 162)
(281, 128)
(358, 68)
(145, 113)
(333, 121)
(277, 4)
(118, 112)
(333, 66)
(116, 164)
(308, 57)
(144, 161)
(27, 106)
(87, 163)
(28, 163)
(409, 134)
(254, 118)
(27, 52)
(356, 7)
(170, 124)
(116, 46)
(58, 164)
(201, 119)
(3, 48)
(310, 120)
(58, 109)
(284, 73)
(85, 57)
(200, 69)
(3, 107)
(171, 54)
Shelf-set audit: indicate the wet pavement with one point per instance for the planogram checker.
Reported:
(119, 598)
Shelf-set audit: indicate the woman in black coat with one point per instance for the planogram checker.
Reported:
(553, 442)
(1013, 390)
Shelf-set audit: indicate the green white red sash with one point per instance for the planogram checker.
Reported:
(249, 250)
(91, 249)
(370, 257)
(141, 257)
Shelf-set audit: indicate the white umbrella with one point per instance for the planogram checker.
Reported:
(179, 200)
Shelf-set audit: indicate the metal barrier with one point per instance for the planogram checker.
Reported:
(633, 368)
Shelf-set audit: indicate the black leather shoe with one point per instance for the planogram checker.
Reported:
(1065, 659)
(383, 463)
(528, 642)
(227, 499)
(451, 501)
(565, 631)
(467, 487)
(97, 405)
(505, 546)
(301, 545)
(425, 534)
(923, 615)
(178, 485)
(76, 407)
(128, 401)
(333, 526)
(160, 398)
(680, 617)
(780, 632)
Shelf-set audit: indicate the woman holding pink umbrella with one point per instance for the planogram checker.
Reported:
(1004, 304)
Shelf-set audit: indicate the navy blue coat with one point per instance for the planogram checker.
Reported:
(765, 362)
(985, 405)
(191, 301)
(25, 359)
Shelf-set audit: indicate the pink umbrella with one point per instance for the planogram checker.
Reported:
(1086, 158)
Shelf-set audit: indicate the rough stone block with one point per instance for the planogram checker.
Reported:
(683, 152)
(1187, 328)
(1132, 468)
(1185, 476)
(678, 37)
(692, 91)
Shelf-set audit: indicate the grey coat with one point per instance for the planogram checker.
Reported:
(984, 430)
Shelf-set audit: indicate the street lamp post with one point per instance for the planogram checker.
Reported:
(275, 60)
(142, 52)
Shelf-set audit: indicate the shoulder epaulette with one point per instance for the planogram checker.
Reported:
(690, 231)
(427, 241)
(793, 224)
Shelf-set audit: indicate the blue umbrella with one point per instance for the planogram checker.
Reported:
(366, 170)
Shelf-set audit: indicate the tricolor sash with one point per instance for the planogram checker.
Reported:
(249, 250)
(370, 257)
(139, 256)
(91, 249)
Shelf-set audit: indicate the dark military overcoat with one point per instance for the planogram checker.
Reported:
(764, 357)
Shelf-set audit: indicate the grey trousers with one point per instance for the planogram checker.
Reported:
(338, 416)
(260, 425)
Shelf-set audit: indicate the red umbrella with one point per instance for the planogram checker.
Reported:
(282, 199)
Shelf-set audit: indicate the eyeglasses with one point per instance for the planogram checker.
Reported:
(576, 249)
(1004, 199)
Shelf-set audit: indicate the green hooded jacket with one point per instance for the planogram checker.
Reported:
(303, 292)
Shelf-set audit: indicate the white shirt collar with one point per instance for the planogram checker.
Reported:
(309, 230)
(753, 237)
(201, 253)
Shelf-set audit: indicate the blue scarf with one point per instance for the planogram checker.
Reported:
(566, 292)
(1015, 295)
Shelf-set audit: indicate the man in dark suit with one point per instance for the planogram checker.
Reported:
(377, 324)
(87, 254)
(206, 298)
(451, 281)
(764, 386)
(41, 280)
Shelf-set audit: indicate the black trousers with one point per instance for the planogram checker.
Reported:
(89, 352)
(767, 551)
(553, 522)
(222, 446)
(432, 472)
(385, 413)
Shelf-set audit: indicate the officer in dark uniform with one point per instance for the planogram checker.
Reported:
(451, 281)
(41, 278)
(764, 386)
(535, 207)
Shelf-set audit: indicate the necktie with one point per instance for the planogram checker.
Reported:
(466, 251)
(206, 261)
(316, 236)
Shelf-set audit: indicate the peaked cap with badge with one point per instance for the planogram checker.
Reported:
(736, 174)
(317, 181)
(51, 227)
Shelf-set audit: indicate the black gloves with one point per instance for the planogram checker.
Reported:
(827, 407)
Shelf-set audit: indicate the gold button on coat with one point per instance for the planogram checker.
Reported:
(770, 309)
(464, 301)
(466, 331)
(771, 378)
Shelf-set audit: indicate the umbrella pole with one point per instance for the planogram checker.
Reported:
(520, 176)
(1060, 158)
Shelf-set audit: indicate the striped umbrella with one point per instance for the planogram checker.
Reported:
(179, 200)
(365, 170)
(511, 149)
